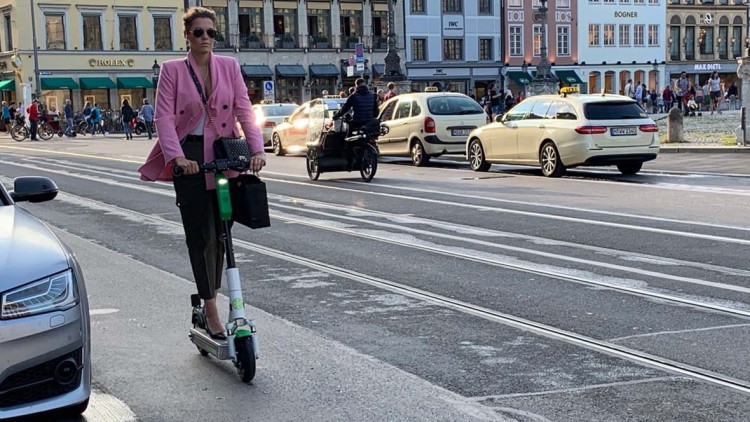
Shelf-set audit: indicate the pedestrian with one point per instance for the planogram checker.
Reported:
(683, 85)
(6, 116)
(639, 93)
(33, 113)
(324, 93)
(96, 119)
(653, 97)
(342, 94)
(391, 91)
(629, 91)
(666, 96)
(714, 90)
(87, 117)
(495, 99)
(127, 118)
(68, 112)
(351, 91)
(509, 101)
(147, 113)
(732, 94)
(381, 97)
(186, 139)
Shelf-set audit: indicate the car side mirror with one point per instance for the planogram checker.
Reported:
(499, 118)
(384, 130)
(33, 189)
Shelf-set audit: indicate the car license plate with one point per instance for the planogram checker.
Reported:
(623, 131)
(460, 132)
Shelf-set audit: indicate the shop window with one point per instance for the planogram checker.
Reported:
(162, 33)
(92, 32)
(55, 30)
(128, 33)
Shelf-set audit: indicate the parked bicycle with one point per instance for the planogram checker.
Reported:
(21, 130)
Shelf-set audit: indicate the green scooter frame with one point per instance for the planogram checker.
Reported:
(241, 345)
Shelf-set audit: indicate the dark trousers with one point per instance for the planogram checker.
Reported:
(149, 128)
(32, 129)
(199, 209)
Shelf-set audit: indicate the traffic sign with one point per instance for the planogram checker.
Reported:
(359, 52)
(351, 60)
(269, 93)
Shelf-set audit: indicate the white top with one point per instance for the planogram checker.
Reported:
(714, 84)
(198, 130)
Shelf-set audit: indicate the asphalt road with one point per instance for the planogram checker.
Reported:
(429, 294)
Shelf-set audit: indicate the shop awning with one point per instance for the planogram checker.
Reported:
(569, 77)
(290, 71)
(97, 83)
(134, 82)
(58, 83)
(7, 85)
(323, 70)
(378, 69)
(519, 77)
(256, 71)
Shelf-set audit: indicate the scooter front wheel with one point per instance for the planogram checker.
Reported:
(369, 164)
(245, 358)
(313, 167)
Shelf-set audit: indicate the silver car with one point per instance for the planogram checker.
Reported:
(45, 345)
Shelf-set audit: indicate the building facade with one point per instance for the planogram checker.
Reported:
(705, 37)
(453, 44)
(622, 40)
(524, 29)
(304, 47)
(93, 51)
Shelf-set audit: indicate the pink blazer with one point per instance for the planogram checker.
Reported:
(179, 109)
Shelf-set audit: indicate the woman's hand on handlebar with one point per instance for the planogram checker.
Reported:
(187, 166)
(257, 161)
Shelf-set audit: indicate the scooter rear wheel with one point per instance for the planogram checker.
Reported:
(313, 167)
(369, 164)
(245, 358)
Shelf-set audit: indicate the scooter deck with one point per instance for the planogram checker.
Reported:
(218, 348)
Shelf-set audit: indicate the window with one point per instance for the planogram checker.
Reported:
(351, 25)
(539, 110)
(485, 49)
(453, 49)
(565, 111)
(485, 7)
(563, 4)
(416, 110)
(387, 112)
(403, 110)
(638, 1)
(624, 1)
(515, 40)
(653, 1)
(55, 28)
(737, 41)
(609, 34)
(638, 35)
(452, 6)
(723, 42)
(593, 1)
(537, 40)
(128, 33)
(563, 40)
(92, 32)
(674, 47)
(594, 35)
(162, 33)
(515, 3)
(625, 35)
(417, 6)
(609, 1)
(418, 49)
(689, 43)
(706, 40)
(613, 110)
(8, 33)
(653, 35)
(251, 26)
(221, 25)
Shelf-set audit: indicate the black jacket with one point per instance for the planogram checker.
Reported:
(363, 102)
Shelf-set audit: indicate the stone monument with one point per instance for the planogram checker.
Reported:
(743, 71)
(544, 82)
(392, 72)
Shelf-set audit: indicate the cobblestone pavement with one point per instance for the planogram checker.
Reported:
(706, 130)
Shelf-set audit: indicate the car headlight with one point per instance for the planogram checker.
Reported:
(54, 293)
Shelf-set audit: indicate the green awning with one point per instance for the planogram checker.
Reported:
(134, 82)
(569, 77)
(519, 77)
(256, 71)
(8, 85)
(324, 70)
(290, 71)
(58, 83)
(97, 83)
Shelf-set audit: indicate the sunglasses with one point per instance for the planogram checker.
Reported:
(198, 32)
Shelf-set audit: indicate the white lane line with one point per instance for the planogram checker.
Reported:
(576, 389)
(107, 408)
(104, 311)
(692, 330)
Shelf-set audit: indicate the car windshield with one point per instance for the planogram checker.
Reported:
(277, 111)
(332, 106)
(615, 110)
(453, 105)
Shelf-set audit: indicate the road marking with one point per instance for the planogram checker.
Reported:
(692, 330)
(105, 311)
(74, 154)
(107, 408)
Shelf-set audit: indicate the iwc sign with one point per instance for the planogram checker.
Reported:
(111, 62)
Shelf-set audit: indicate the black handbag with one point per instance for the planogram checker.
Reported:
(249, 201)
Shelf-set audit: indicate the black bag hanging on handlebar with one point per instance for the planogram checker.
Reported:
(247, 191)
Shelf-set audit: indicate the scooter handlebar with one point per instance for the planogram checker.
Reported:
(216, 166)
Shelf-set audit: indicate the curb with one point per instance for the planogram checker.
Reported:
(703, 150)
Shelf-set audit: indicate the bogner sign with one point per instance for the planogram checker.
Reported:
(111, 62)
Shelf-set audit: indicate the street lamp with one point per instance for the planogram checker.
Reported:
(37, 88)
(156, 69)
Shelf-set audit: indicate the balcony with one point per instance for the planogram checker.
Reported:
(254, 41)
(348, 41)
(319, 41)
(288, 41)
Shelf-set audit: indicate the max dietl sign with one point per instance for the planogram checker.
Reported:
(111, 62)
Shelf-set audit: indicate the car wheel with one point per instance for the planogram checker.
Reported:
(549, 159)
(477, 159)
(418, 157)
(630, 167)
(276, 144)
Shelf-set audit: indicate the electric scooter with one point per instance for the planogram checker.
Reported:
(241, 345)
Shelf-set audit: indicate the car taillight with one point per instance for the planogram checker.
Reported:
(429, 125)
(649, 128)
(270, 124)
(591, 130)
